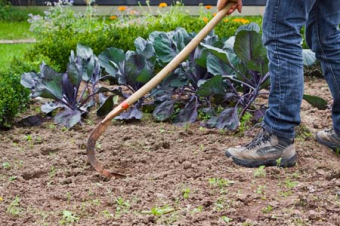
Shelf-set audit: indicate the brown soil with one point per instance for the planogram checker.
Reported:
(176, 176)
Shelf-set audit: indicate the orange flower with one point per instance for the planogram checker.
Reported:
(208, 6)
(113, 17)
(205, 19)
(122, 8)
(214, 14)
(162, 5)
(241, 20)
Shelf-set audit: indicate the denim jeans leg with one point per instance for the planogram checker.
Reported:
(282, 22)
(323, 37)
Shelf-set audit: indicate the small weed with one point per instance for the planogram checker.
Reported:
(122, 206)
(186, 192)
(19, 164)
(68, 218)
(96, 202)
(68, 197)
(299, 221)
(28, 138)
(51, 126)
(221, 183)
(247, 224)
(226, 219)
(6, 165)
(107, 214)
(12, 178)
(52, 172)
(89, 122)
(159, 211)
(296, 175)
(98, 145)
(261, 189)
(285, 193)
(38, 140)
(201, 147)
(219, 205)
(260, 172)
(278, 162)
(14, 208)
(197, 210)
(244, 122)
(267, 209)
(303, 132)
(43, 216)
(222, 131)
(291, 184)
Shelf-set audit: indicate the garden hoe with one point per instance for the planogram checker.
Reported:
(101, 127)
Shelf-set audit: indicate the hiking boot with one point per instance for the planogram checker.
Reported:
(266, 149)
(329, 138)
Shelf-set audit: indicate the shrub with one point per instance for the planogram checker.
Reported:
(57, 46)
(13, 98)
(10, 13)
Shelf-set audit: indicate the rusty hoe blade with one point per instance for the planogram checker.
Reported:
(101, 127)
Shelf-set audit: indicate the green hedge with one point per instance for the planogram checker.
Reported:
(59, 31)
(14, 98)
(10, 13)
(57, 45)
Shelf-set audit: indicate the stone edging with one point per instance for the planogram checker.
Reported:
(17, 41)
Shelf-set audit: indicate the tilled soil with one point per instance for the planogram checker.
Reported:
(176, 176)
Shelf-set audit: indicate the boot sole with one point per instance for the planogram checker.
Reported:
(335, 148)
(288, 162)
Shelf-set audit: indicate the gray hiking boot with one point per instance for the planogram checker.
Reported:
(329, 138)
(266, 149)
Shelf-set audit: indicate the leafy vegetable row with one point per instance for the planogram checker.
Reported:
(220, 80)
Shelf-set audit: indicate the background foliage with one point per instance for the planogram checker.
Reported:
(10, 13)
(59, 31)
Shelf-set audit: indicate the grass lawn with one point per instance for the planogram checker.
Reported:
(8, 51)
(15, 30)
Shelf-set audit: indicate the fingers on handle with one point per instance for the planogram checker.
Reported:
(221, 4)
(239, 6)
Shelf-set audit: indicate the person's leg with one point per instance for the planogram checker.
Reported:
(282, 23)
(323, 37)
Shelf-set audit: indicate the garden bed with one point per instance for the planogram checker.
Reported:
(176, 176)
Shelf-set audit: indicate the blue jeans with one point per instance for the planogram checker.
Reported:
(282, 22)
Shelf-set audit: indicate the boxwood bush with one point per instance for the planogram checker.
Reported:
(59, 31)
(13, 98)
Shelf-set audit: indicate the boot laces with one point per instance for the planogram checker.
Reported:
(330, 131)
(261, 138)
